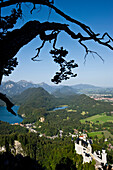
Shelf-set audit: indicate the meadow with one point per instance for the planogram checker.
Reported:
(100, 134)
(99, 119)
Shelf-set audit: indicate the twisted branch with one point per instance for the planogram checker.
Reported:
(39, 48)
(9, 104)
(48, 3)
(89, 51)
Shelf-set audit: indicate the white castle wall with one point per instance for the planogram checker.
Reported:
(82, 150)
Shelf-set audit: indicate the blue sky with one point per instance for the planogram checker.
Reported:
(98, 14)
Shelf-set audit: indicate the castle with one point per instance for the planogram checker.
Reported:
(84, 148)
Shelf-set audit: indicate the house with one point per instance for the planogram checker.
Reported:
(42, 119)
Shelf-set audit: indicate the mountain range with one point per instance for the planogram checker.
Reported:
(11, 88)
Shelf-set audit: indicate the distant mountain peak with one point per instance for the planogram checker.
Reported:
(22, 81)
(9, 81)
(43, 83)
(11, 88)
(84, 86)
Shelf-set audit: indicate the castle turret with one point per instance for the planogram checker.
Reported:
(89, 148)
(80, 142)
(79, 147)
(104, 156)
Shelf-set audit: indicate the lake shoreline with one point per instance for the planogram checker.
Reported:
(6, 116)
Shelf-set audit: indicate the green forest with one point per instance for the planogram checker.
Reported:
(58, 153)
(36, 103)
(49, 154)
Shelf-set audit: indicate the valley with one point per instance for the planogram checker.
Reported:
(57, 117)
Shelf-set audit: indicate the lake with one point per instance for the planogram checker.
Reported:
(8, 117)
(60, 108)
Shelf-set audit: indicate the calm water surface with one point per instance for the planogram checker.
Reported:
(8, 117)
(60, 108)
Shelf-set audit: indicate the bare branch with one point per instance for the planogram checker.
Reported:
(49, 13)
(107, 35)
(34, 7)
(9, 104)
(48, 3)
(94, 52)
(89, 51)
(54, 43)
(87, 29)
(25, 35)
(37, 55)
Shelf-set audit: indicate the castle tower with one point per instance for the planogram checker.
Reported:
(80, 142)
(104, 156)
(89, 148)
(79, 147)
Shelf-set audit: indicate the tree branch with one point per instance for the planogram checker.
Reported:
(13, 2)
(89, 51)
(68, 18)
(39, 48)
(9, 104)
(16, 39)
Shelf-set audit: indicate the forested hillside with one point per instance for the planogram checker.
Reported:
(36, 103)
(37, 107)
(35, 98)
(6, 128)
(42, 153)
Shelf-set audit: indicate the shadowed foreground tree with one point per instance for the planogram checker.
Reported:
(10, 162)
(12, 41)
(66, 164)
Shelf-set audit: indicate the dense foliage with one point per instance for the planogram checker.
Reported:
(11, 162)
(35, 98)
(6, 128)
(50, 154)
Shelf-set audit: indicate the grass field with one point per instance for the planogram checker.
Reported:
(99, 118)
(100, 135)
(107, 134)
